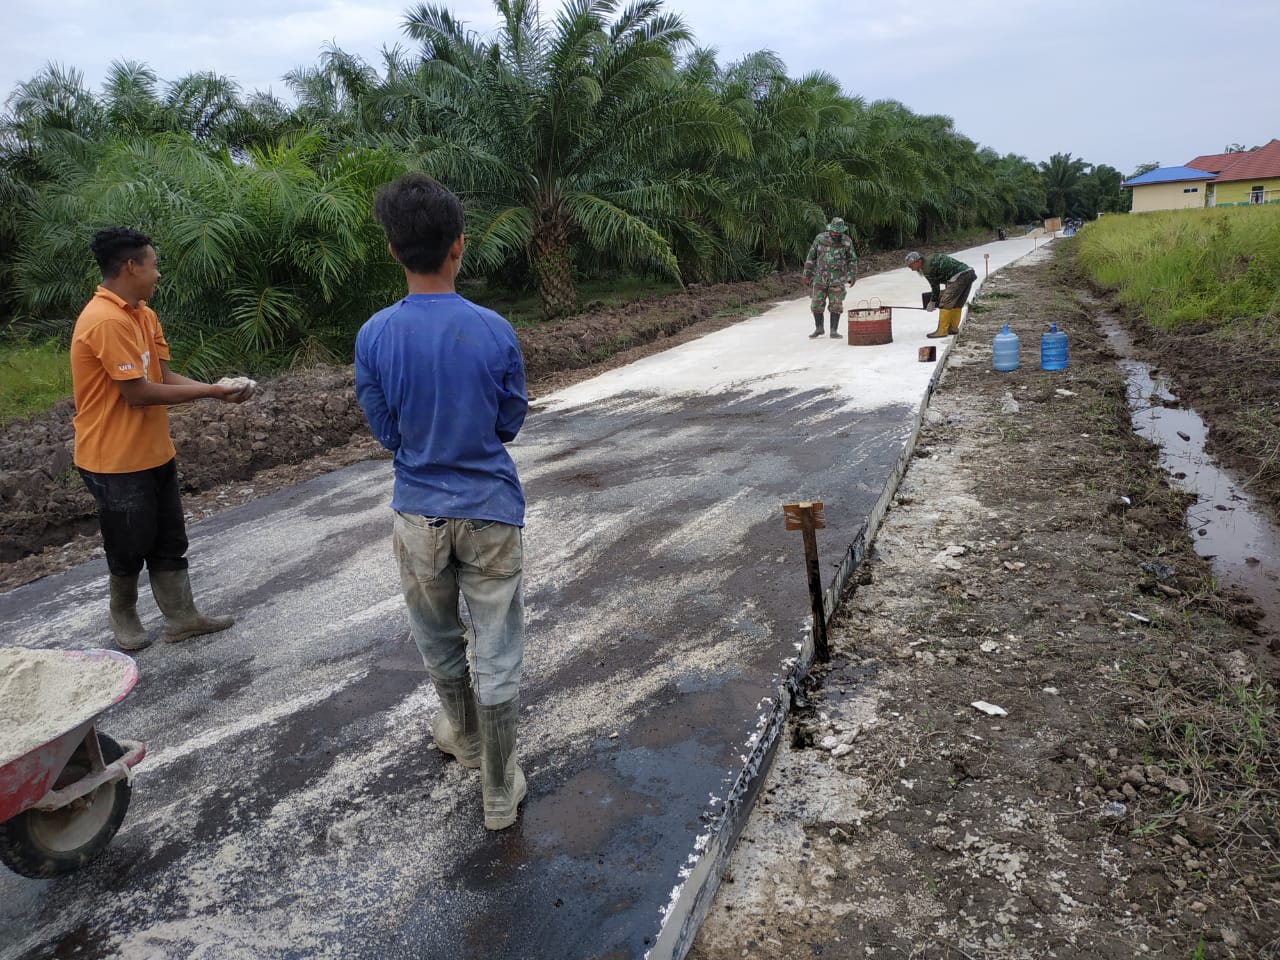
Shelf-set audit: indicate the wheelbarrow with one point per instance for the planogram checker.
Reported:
(64, 786)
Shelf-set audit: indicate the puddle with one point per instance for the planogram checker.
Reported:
(1226, 525)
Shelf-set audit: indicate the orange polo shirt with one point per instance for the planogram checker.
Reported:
(113, 341)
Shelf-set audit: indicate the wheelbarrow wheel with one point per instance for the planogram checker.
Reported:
(50, 843)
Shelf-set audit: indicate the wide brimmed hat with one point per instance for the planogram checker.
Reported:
(838, 226)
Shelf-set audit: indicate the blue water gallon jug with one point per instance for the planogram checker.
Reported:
(1004, 350)
(1053, 349)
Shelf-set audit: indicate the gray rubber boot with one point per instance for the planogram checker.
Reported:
(456, 727)
(817, 321)
(504, 785)
(124, 614)
(835, 325)
(182, 621)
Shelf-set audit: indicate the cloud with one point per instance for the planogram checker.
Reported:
(1113, 84)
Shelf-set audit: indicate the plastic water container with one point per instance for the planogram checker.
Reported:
(1004, 350)
(1053, 349)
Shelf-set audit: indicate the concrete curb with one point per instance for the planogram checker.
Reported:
(691, 901)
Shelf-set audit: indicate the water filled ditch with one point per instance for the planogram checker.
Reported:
(1227, 526)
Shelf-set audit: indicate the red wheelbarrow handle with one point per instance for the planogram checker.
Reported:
(116, 770)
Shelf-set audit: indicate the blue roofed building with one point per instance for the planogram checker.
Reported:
(1169, 188)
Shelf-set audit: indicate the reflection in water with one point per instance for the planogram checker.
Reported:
(1226, 525)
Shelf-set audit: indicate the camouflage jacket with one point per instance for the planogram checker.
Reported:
(831, 260)
(938, 268)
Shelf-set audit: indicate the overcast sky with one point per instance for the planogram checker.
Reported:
(1114, 83)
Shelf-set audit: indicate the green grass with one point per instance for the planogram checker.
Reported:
(32, 378)
(1183, 266)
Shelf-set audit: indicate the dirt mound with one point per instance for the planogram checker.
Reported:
(295, 416)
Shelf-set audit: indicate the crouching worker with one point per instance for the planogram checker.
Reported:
(123, 387)
(441, 381)
(958, 279)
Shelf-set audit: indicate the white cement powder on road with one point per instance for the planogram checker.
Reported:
(44, 693)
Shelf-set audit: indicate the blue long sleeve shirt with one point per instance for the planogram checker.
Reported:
(441, 381)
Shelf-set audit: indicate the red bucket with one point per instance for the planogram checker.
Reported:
(870, 326)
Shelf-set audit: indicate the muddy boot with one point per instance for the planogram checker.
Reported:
(942, 326)
(817, 319)
(953, 321)
(503, 786)
(456, 727)
(835, 325)
(182, 621)
(124, 614)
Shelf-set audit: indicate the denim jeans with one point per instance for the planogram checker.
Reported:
(483, 560)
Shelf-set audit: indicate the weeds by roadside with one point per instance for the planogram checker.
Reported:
(32, 378)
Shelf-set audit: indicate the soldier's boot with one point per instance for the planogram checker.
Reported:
(456, 728)
(502, 784)
(125, 624)
(817, 320)
(943, 325)
(182, 621)
(953, 321)
(835, 325)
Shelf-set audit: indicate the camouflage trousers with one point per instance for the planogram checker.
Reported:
(831, 295)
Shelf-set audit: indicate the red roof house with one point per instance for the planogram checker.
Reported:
(1248, 177)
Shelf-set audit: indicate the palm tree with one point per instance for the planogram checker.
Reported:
(266, 262)
(556, 134)
(1017, 186)
(1101, 192)
(757, 209)
(54, 100)
(1062, 181)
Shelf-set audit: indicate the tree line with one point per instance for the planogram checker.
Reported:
(602, 142)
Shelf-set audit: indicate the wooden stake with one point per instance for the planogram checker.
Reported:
(986, 265)
(807, 517)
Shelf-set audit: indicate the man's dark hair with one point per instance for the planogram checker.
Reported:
(116, 246)
(421, 219)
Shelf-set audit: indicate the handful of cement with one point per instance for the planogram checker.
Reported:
(246, 386)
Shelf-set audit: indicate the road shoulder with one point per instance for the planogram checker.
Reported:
(1123, 802)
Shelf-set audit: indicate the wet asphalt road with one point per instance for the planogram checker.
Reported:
(292, 805)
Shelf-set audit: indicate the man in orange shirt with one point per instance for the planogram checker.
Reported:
(123, 387)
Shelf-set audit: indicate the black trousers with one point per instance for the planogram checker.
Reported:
(140, 515)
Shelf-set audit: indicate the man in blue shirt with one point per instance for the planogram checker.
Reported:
(441, 381)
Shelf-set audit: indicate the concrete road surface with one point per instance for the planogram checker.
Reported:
(292, 803)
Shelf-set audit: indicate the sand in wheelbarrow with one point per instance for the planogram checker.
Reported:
(44, 693)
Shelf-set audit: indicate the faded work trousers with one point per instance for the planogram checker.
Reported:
(956, 293)
(483, 561)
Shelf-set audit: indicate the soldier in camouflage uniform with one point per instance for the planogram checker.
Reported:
(958, 278)
(831, 264)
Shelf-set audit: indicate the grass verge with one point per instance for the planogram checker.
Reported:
(32, 378)
(1180, 266)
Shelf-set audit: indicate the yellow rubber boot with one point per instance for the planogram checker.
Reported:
(942, 326)
(953, 320)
